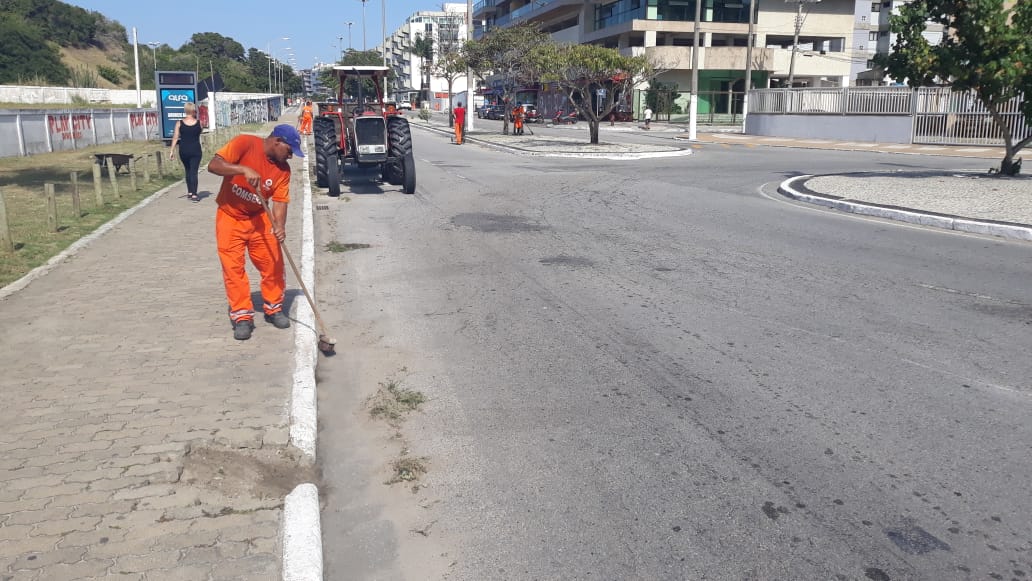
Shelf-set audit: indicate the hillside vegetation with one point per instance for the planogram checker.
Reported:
(47, 42)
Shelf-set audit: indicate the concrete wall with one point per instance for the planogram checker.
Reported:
(876, 128)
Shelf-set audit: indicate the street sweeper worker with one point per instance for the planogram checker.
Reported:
(253, 166)
(305, 121)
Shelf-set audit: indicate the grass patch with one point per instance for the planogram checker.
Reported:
(22, 182)
(407, 469)
(391, 402)
(335, 246)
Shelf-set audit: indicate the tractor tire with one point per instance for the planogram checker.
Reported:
(333, 176)
(326, 146)
(408, 165)
(399, 138)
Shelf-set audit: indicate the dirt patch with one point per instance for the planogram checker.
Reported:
(262, 474)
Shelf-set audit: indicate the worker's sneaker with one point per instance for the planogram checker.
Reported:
(278, 320)
(242, 329)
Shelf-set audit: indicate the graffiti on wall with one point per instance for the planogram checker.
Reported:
(69, 126)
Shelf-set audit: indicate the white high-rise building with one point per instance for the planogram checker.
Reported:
(447, 29)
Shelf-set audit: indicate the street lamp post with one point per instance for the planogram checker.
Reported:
(154, 55)
(364, 47)
(340, 47)
(269, 54)
(349, 34)
(383, 33)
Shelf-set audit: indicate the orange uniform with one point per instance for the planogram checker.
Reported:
(306, 119)
(241, 224)
(517, 120)
(460, 120)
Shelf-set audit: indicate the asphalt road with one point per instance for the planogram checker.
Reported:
(651, 370)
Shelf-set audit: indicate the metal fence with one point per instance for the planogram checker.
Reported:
(946, 117)
(35, 131)
(940, 115)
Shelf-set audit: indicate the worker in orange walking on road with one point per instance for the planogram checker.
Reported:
(252, 166)
(518, 113)
(460, 121)
(305, 122)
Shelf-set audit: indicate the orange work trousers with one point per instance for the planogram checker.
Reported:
(254, 236)
(306, 124)
(458, 133)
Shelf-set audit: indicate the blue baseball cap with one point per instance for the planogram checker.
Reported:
(290, 136)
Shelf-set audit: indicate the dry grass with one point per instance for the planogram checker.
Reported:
(22, 182)
(92, 58)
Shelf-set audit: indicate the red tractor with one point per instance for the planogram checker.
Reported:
(362, 132)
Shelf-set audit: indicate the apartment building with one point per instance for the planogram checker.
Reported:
(873, 37)
(447, 28)
(664, 30)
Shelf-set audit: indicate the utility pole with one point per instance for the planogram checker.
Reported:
(748, 59)
(349, 35)
(470, 85)
(795, 43)
(364, 46)
(693, 103)
(383, 33)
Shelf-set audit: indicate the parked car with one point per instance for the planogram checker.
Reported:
(495, 112)
(407, 105)
(482, 112)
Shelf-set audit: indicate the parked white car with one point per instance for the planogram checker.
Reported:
(405, 105)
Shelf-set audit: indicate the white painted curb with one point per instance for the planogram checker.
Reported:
(302, 535)
(80, 244)
(913, 217)
(302, 532)
(303, 411)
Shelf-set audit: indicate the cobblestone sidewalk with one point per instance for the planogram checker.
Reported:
(138, 439)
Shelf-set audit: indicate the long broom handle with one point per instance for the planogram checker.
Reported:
(297, 273)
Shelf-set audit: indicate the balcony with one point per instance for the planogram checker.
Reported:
(484, 7)
(775, 60)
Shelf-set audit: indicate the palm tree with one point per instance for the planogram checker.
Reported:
(423, 47)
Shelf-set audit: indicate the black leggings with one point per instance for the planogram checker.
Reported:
(191, 164)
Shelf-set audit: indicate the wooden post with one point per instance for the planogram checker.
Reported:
(98, 186)
(132, 174)
(113, 177)
(6, 243)
(161, 168)
(76, 201)
(146, 168)
(48, 189)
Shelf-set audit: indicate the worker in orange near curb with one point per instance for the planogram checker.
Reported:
(305, 122)
(517, 120)
(253, 166)
(460, 120)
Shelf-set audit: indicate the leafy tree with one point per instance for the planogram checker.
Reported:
(214, 46)
(25, 53)
(450, 65)
(587, 70)
(328, 78)
(423, 47)
(506, 52)
(987, 50)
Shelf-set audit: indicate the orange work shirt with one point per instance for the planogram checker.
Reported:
(236, 197)
(307, 111)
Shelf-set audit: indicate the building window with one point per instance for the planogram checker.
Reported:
(871, 64)
(872, 36)
(876, 7)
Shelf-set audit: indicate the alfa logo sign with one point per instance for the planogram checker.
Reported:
(172, 102)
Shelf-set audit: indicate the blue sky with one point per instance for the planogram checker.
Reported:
(314, 29)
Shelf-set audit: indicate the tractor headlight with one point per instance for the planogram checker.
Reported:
(372, 149)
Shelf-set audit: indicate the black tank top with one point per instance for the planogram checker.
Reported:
(189, 139)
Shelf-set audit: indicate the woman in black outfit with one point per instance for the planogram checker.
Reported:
(187, 135)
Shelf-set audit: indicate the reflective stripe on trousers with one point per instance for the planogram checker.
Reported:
(253, 236)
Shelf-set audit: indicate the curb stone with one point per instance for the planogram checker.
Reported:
(796, 189)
